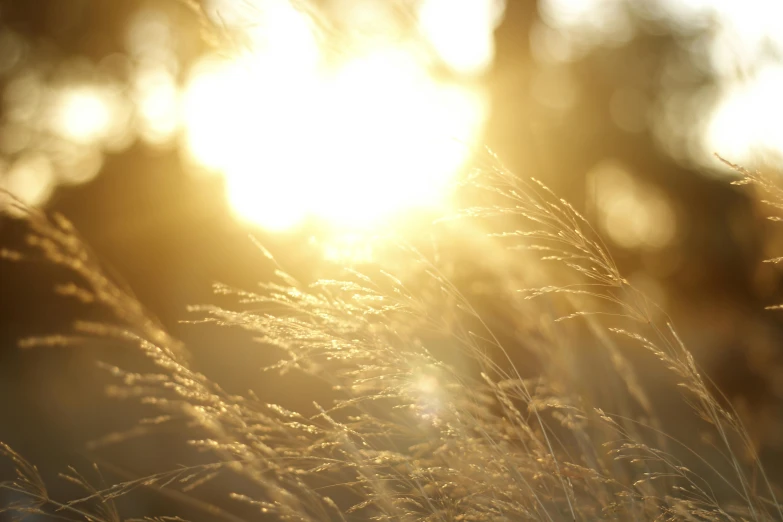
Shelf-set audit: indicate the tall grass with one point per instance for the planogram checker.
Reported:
(538, 399)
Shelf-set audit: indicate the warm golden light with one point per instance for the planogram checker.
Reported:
(83, 115)
(632, 213)
(746, 121)
(738, 115)
(358, 140)
(30, 178)
(462, 32)
(157, 102)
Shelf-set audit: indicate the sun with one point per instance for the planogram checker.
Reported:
(350, 142)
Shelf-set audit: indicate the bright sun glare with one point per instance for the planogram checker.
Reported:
(351, 142)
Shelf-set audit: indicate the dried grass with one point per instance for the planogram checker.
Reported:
(411, 436)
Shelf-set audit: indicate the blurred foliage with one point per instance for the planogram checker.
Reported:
(617, 105)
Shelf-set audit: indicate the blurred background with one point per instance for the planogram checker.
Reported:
(169, 130)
